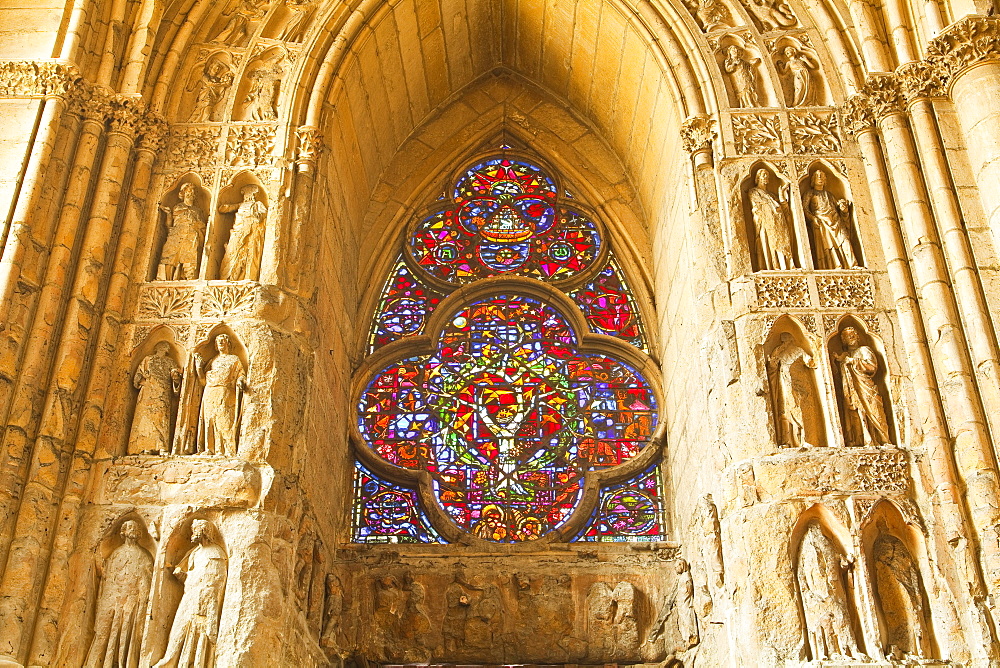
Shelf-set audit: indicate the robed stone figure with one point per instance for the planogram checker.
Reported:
(195, 630)
(185, 235)
(789, 393)
(121, 603)
(831, 222)
(158, 379)
(865, 421)
(223, 381)
(241, 261)
(821, 572)
(770, 220)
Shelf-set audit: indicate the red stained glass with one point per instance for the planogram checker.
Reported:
(610, 309)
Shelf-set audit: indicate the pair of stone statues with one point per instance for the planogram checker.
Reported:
(210, 402)
(127, 575)
(186, 223)
(828, 216)
(865, 422)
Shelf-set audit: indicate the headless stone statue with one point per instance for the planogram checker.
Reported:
(158, 379)
(787, 397)
(195, 630)
(824, 597)
(121, 604)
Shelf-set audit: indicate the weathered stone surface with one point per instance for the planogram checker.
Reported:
(207, 482)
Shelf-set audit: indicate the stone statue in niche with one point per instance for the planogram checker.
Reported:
(709, 530)
(261, 100)
(224, 381)
(333, 608)
(900, 596)
(788, 391)
(800, 68)
(301, 12)
(742, 73)
(121, 603)
(185, 234)
(158, 379)
(821, 576)
(771, 223)
(236, 32)
(830, 219)
(209, 102)
(678, 605)
(865, 423)
(195, 630)
(772, 14)
(612, 626)
(241, 261)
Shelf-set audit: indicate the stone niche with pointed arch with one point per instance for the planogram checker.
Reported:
(838, 186)
(791, 360)
(171, 198)
(779, 189)
(176, 352)
(220, 233)
(835, 349)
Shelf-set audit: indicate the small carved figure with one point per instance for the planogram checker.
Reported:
(241, 261)
(236, 32)
(743, 75)
(679, 604)
(195, 629)
(787, 395)
(121, 603)
(158, 379)
(416, 625)
(333, 608)
(865, 421)
(390, 607)
(224, 381)
(772, 14)
(301, 12)
(185, 234)
(261, 100)
(458, 599)
(209, 103)
(900, 596)
(799, 66)
(713, 15)
(708, 527)
(831, 222)
(613, 631)
(774, 239)
(827, 611)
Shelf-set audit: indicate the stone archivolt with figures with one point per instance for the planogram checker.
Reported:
(492, 410)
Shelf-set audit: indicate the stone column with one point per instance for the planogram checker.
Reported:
(969, 53)
(38, 507)
(301, 243)
(953, 528)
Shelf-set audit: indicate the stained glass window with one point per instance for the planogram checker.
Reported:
(507, 412)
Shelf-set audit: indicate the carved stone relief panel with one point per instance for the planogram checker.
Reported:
(757, 134)
(261, 86)
(815, 133)
(711, 15)
(161, 303)
(193, 148)
(846, 291)
(238, 23)
(771, 14)
(250, 146)
(781, 292)
(206, 94)
(799, 67)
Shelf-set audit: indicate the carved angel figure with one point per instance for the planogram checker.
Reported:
(831, 222)
(800, 67)
(216, 78)
(295, 29)
(158, 379)
(772, 14)
(185, 234)
(246, 241)
(742, 74)
(195, 630)
(713, 15)
(121, 603)
(261, 100)
(824, 597)
(774, 239)
(237, 29)
(865, 421)
(786, 397)
(611, 620)
(224, 381)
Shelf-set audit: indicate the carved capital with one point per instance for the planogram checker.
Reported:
(92, 103)
(126, 115)
(856, 114)
(884, 94)
(965, 43)
(152, 133)
(921, 79)
(33, 78)
(308, 143)
(697, 133)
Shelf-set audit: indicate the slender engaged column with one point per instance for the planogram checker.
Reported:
(298, 267)
(953, 526)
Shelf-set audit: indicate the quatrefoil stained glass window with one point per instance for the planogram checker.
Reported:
(491, 408)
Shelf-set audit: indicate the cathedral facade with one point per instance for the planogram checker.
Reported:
(499, 332)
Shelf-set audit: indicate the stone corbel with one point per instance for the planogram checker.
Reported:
(697, 134)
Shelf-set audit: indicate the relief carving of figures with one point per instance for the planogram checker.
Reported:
(295, 28)
(416, 623)
(712, 14)
(195, 629)
(241, 261)
(185, 235)
(236, 32)
(224, 381)
(800, 67)
(613, 631)
(900, 596)
(401, 622)
(546, 602)
(261, 100)
(790, 390)
(678, 605)
(830, 218)
(121, 603)
(333, 607)
(771, 223)
(210, 100)
(821, 576)
(772, 14)
(742, 72)
(158, 379)
(865, 422)
(709, 537)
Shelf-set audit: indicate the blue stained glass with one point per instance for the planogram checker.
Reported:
(385, 512)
